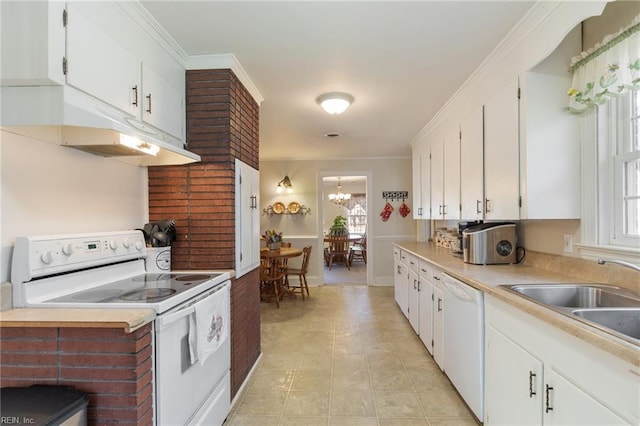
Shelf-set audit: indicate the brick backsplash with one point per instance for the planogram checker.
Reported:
(113, 367)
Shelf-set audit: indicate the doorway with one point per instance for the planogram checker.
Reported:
(344, 195)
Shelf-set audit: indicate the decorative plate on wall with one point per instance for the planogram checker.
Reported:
(278, 208)
(293, 207)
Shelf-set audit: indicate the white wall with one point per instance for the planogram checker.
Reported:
(306, 176)
(50, 189)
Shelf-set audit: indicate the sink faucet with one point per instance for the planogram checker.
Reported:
(619, 262)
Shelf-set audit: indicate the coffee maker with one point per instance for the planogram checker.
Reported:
(461, 227)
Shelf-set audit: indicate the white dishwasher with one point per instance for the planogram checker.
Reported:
(464, 341)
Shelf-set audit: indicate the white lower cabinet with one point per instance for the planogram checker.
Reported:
(413, 285)
(425, 302)
(438, 316)
(535, 374)
(401, 281)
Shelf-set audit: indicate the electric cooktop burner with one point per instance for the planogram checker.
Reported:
(148, 294)
(143, 288)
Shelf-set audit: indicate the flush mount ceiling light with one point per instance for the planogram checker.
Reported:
(284, 185)
(336, 102)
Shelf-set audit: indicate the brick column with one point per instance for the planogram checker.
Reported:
(222, 124)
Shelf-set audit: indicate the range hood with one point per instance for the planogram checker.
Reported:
(89, 125)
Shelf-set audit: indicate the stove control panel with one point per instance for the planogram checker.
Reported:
(38, 256)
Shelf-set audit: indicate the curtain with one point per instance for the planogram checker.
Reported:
(609, 69)
(357, 199)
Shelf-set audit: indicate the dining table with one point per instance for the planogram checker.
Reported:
(274, 262)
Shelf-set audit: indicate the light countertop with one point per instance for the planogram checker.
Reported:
(128, 319)
(488, 277)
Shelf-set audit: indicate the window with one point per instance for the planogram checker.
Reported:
(357, 214)
(627, 172)
(618, 171)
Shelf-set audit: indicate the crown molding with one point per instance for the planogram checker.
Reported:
(538, 14)
(152, 27)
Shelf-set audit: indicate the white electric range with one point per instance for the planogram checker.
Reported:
(106, 270)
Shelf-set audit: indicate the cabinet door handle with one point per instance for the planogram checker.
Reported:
(419, 285)
(487, 205)
(134, 89)
(532, 392)
(419, 211)
(440, 209)
(415, 287)
(444, 209)
(547, 405)
(439, 304)
(398, 269)
(478, 209)
(149, 103)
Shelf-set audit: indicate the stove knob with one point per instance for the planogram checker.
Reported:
(67, 249)
(113, 244)
(139, 245)
(46, 257)
(126, 243)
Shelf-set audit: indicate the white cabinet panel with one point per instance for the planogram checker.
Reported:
(247, 218)
(425, 295)
(501, 154)
(32, 43)
(513, 382)
(472, 166)
(567, 404)
(401, 283)
(421, 184)
(162, 103)
(452, 174)
(437, 178)
(438, 316)
(101, 67)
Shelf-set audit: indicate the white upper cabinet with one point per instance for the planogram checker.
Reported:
(501, 154)
(472, 166)
(119, 77)
(32, 43)
(102, 49)
(445, 176)
(163, 104)
(437, 178)
(452, 174)
(421, 183)
(99, 66)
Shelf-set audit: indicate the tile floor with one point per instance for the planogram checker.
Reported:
(346, 356)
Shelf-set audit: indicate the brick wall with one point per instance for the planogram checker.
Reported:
(113, 367)
(222, 124)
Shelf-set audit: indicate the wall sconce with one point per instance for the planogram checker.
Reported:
(284, 185)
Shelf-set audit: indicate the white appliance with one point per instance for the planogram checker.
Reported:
(463, 348)
(107, 270)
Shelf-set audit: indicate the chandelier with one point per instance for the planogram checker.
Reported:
(339, 198)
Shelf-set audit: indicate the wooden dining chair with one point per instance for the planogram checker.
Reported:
(338, 250)
(272, 275)
(358, 251)
(301, 273)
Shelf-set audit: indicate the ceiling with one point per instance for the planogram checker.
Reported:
(400, 60)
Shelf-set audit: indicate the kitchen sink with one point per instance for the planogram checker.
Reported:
(622, 320)
(578, 295)
(606, 307)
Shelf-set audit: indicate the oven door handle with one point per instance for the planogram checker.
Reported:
(169, 319)
(188, 309)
